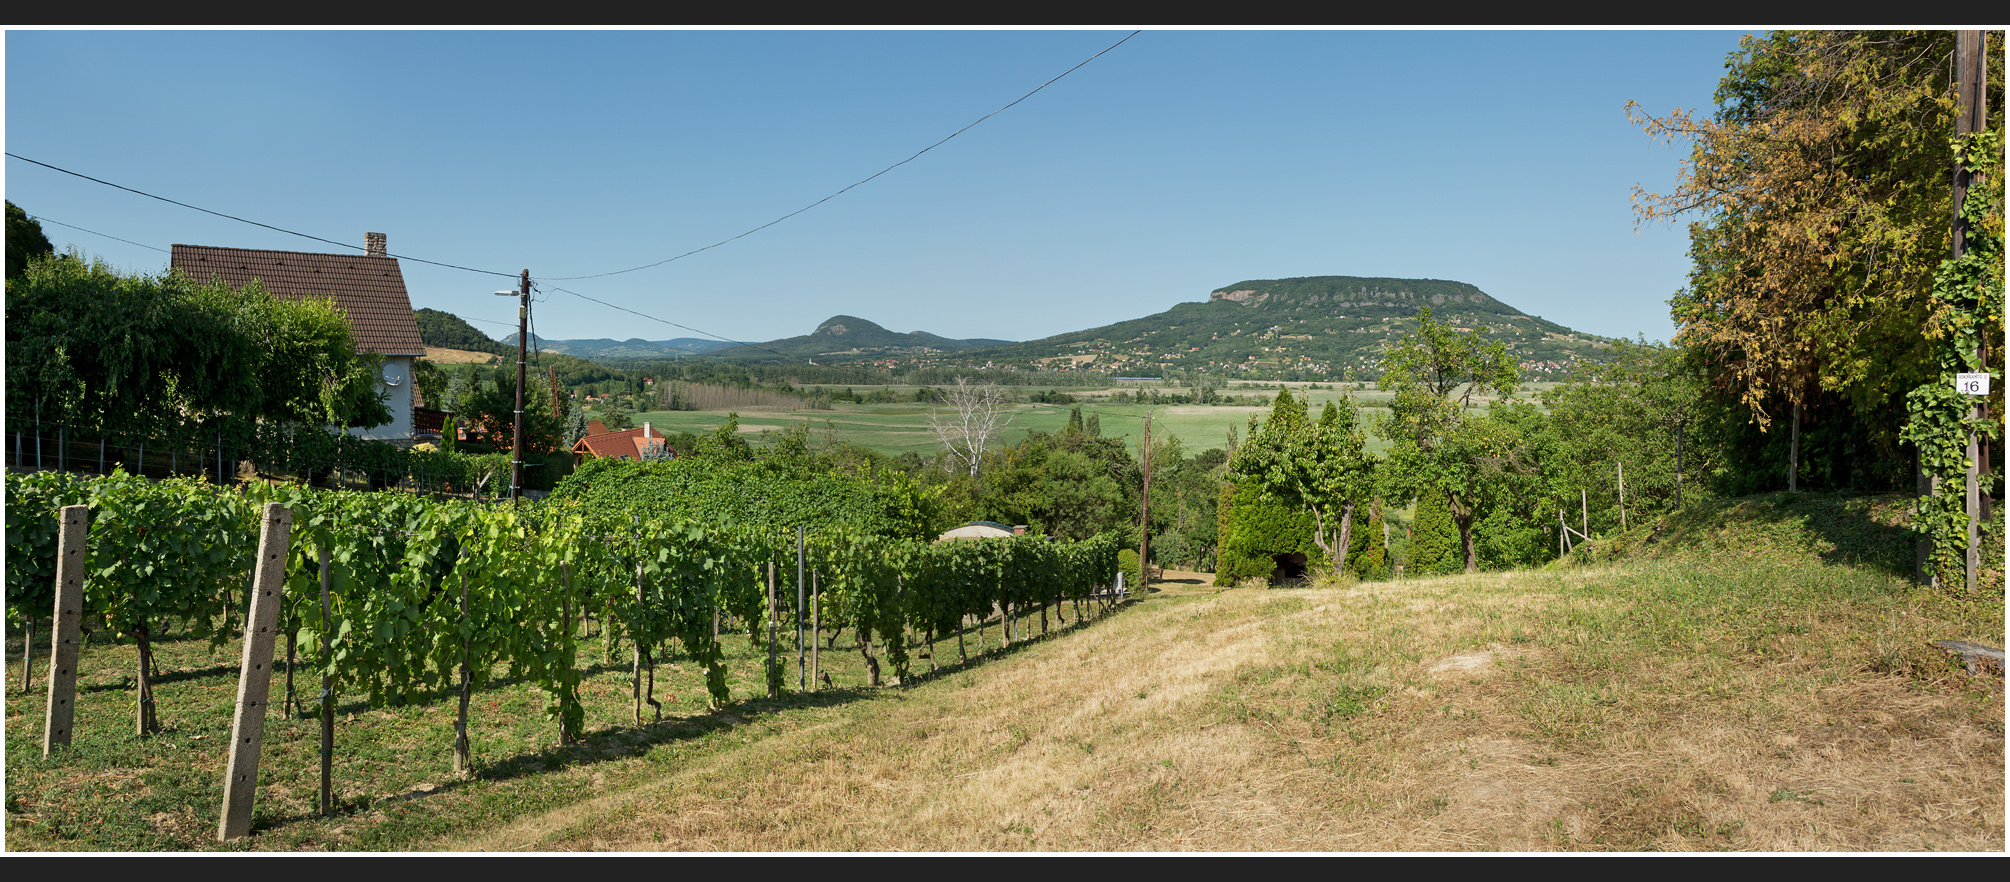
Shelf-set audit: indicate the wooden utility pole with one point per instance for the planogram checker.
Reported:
(1971, 69)
(1145, 512)
(522, 343)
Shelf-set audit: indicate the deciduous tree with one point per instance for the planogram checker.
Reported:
(1821, 189)
(970, 416)
(1323, 467)
(1441, 446)
(25, 240)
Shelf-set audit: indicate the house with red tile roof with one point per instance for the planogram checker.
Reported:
(369, 288)
(636, 444)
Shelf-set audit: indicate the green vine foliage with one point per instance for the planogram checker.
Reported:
(34, 505)
(417, 588)
(1967, 317)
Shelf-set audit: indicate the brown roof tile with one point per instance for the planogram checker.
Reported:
(371, 290)
(624, 444)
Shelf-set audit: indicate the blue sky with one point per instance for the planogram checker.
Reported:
(1176, 163)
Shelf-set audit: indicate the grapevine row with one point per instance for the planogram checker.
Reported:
(419, 591)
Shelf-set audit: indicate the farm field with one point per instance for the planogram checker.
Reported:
(1757, 677)
(899, 428)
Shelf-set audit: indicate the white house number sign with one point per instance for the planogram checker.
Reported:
(1971, 384)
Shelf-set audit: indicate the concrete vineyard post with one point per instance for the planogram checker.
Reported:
(69, 608)
(254, 680)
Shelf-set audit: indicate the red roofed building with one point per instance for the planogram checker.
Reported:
(369, 288)
(635, 444)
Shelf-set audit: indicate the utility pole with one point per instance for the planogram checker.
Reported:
(1145, 512)
(1972, 66)
(522, 341)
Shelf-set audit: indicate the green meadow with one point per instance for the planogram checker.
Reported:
(903, 427)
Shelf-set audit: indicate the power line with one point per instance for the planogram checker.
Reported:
(535, 286)
(245, 221)
(889, 168)
(41, 219)
(44, 220)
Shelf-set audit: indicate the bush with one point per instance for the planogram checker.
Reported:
(1127, 563)
(1256, 528)
(1434, 540)
(1365, 557)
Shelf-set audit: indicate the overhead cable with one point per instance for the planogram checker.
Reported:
(251, 222)
(889, 168)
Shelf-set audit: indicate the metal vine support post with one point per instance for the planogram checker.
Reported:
(327, 691)
(774, 674)
(254, 680)
(802, 672)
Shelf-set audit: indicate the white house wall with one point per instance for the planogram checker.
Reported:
(398, 397)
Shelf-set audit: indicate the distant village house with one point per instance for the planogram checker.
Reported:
(635, 444)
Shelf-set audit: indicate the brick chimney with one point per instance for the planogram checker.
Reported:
(374, 245)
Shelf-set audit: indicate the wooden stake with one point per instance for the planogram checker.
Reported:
(27, 652)
(1583, 514)
(1622, 496)
(464, 761)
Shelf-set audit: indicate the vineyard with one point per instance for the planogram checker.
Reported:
(398, 601)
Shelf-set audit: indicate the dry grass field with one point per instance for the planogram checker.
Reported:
(1599, 709)
(443, 355)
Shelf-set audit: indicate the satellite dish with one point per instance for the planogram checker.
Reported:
(392, 376)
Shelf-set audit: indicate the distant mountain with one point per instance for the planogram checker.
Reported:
(1317, 326)
(630, 348)
(848, 337)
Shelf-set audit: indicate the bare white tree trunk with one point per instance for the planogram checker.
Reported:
(970, 418)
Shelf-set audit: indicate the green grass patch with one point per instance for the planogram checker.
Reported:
(393, 778)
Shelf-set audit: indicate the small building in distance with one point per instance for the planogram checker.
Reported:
(635, 444)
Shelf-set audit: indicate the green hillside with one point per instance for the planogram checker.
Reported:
(444, 329)
(1318, 326)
